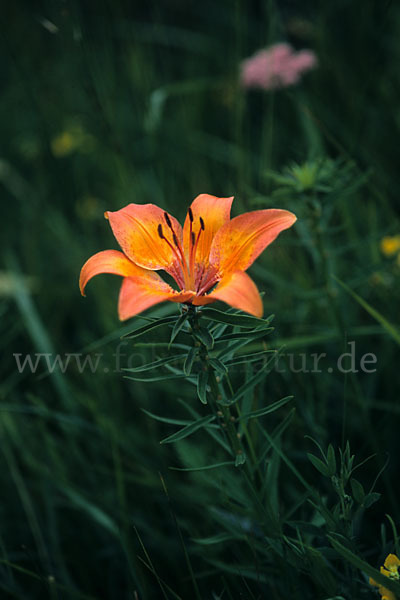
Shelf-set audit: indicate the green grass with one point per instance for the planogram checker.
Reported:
(147, 101)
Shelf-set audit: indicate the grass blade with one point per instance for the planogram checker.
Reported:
(387, 326)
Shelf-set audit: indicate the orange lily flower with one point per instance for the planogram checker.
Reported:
(207, 258)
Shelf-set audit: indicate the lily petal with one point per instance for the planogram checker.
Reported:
(238, 290)
(108, 261)
(238, 243)
(215, 212)
(136, 229)
(139, 293)
(140, 289)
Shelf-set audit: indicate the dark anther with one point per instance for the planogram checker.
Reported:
(175, 240)
(190, 213)
(167, 220)
(202, 224)
(160, 231)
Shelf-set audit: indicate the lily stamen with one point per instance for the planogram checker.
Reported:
(182, 265)
(207, 284)
(193, 249)
(191, 237)
(178, 245)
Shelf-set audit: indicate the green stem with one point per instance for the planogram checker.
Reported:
(245, 430)
(250, 469)
(216, 395)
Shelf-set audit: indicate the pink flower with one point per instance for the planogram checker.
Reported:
(276, 67)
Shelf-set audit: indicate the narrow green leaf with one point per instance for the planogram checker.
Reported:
(395, 535)
(188, 430)
(162, 345)
(265, 410)
(331, 460)
(234, 319)
(204, 336)
(213, 430)
(251, 335)
(218, 365)
(228, 349)
(178, 326)
(217, 539)
(205, 468)
(157, 378)
(166, 419)
(308, 437)
(190, 358)
(318, 464)
(155, 364)
(146, 328)
(391, 329)
(202, 381)
(218, 329)
(249, 358)
(358, 490)
(370, 499)
(251, 383)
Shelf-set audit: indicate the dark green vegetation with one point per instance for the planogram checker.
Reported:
(108, 103)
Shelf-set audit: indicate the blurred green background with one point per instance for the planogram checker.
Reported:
(108, 103)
